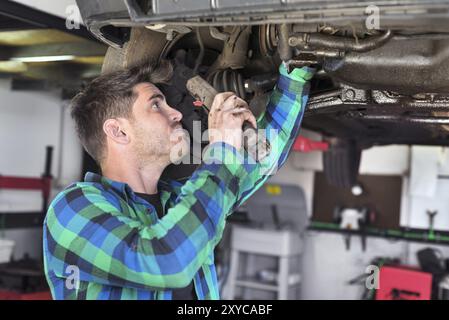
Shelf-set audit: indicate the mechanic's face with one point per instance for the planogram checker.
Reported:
(156, 127)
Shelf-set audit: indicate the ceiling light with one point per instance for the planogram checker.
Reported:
(44, 58)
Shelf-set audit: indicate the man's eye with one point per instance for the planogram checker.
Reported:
(155, 105)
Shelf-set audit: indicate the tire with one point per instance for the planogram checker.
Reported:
(341, 163)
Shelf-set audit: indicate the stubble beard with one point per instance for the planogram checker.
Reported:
(150, 149)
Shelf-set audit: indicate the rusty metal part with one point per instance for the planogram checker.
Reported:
(407, 65)
(217, 34)
(235, 51)
(258, 104)
(169, 29)
(314, 48)
(285, 52)
(319, 40)
(200, 57)
(308, 58)
(380, 117)
(409, 118)
(201, 90)
(299, 63)
(254, 143)
(442, 114)
(261, 83)
(268, 39)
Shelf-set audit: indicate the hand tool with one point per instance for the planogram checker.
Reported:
(256, 145)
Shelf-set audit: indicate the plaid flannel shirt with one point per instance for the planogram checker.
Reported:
(101, 241)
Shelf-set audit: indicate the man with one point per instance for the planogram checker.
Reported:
(129, 235)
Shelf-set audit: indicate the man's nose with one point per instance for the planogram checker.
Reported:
(175, 115)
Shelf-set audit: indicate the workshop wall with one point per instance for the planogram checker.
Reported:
(30, 121)
(326, 265)
(300, 167)
(428, 188)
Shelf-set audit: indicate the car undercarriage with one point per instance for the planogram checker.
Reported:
(378, 82)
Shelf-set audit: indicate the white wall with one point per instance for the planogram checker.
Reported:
(428, 188)
(57, 8)
(29, 121)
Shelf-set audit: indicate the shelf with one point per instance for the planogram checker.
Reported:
(251, 283)
(255, 284)
(406, 234)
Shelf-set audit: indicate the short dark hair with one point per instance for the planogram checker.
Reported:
(109, 96)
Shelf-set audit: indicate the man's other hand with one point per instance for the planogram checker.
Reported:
(226, 117)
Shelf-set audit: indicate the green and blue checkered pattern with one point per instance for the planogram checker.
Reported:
(118, 246)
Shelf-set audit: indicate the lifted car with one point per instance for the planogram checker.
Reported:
(383, 70)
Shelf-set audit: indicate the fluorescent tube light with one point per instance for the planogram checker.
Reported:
(44, 58)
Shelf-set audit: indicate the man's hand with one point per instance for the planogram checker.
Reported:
(226, 117)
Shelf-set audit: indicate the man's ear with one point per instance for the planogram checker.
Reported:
(114, 129)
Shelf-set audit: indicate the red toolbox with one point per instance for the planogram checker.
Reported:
(402, 283)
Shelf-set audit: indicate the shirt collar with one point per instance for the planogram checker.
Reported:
(108, 183)
(120, 187)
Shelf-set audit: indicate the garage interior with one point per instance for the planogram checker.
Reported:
(297, 237)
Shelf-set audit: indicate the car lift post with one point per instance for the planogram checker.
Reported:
(24, 183)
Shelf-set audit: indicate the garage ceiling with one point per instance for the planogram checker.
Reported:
(36, 46)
